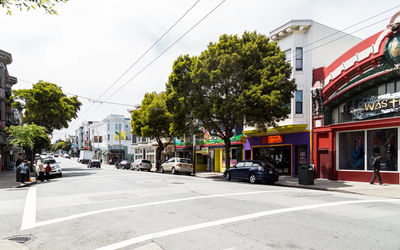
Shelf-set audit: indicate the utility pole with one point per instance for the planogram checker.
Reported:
(194, 154)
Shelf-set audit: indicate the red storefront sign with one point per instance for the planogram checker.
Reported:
(272, 139)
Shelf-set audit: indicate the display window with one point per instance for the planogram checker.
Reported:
(357, 148)
(383, 141)
(351, 150)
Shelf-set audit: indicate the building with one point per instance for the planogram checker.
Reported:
(356, 104)
(307, 44)
(8, 116)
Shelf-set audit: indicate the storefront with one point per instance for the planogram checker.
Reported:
(356, 110)
(287, 150)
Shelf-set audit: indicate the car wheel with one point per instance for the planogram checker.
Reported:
(162, 170)
(138, 169)
(173, 171)
(60, 175)
(252, 178)
(228, 176)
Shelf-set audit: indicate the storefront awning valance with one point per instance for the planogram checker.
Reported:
(277, 130)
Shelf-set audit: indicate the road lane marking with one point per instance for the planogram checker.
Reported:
(178, 230)
(29, 217)
(75, 216)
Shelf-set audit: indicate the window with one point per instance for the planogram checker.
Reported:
(108, 137)
(116, 126)
(240, 165)
(383, 141)
(108, 126)
(299, 59)
(299, 102)
(351, 150)
(288, 54)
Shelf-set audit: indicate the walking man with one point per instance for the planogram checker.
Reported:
(48, 170)
(377, 168)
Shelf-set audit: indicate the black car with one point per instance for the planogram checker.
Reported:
(253, 171)
(124, 165)
(94, 164)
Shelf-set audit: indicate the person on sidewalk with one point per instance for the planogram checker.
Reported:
(48, 170)
(41, 171)
(22, 171)
(377, 168)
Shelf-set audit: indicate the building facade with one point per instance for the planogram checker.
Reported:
(356, 104)
(307, 44)
(8, 116)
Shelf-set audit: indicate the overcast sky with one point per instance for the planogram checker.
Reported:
(91, 43)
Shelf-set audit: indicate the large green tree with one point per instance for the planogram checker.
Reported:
(47, 5)
(32, 138)
(238, 80)
(46, 105)
(152, 119)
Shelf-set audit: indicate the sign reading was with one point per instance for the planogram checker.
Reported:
(377, 105)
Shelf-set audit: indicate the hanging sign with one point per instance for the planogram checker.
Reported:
(377, 105)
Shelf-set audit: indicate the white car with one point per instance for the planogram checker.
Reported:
(55, 168)
(177, 165)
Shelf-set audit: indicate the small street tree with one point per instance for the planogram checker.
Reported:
(32, 138)
(152, 119)
(238, 80)
(47, 5)
(46, 105)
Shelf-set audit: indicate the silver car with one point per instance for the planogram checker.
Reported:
(141, 164)
(177, 165)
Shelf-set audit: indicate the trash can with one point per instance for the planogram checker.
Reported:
(306, 175)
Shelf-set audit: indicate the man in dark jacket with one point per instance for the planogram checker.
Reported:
(377, 168)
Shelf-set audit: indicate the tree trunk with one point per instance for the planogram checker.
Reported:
(158, 158)
(227, 152)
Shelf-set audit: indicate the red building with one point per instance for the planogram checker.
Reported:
(356, 110)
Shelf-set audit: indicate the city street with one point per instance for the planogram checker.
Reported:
(109, 208)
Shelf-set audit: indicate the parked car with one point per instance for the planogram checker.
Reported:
(253, 171)
(67, 156)
(141, 164)
(177, 165)
(94, 164)
(124, 165)
(55, 168)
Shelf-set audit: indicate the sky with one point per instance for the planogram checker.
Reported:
(90, 44)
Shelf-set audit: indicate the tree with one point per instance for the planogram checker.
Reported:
(67, 146)
(46, 105)
(238, 80)
(47, 5)
(32, 138)
(152, 119)
(59, 145)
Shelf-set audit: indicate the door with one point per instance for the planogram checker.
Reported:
(236, 171)
(324, 167)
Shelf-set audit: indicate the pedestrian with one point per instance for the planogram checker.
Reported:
(41, 171)
(377, 167)
(47, 171)
(22, 171)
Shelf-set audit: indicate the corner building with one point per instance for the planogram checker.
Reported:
(356, 110)
(307, 45)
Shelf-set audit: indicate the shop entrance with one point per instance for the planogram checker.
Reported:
(281, 157)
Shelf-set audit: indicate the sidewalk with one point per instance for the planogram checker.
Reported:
(8, 180)
(363, 188)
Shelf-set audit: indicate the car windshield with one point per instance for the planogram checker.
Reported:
(51, 161)
(146, 161)
(184, 160)
(124, 162)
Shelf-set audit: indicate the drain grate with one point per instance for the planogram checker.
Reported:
(22, 239)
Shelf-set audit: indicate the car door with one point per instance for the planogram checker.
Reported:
(168, 164)
(235, 170)
(244, 171)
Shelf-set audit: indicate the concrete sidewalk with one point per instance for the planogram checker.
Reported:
(363, 188)
(8, 180)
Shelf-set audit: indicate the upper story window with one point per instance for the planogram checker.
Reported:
(299, 102)
(288, 54)
(299, 59)
(108, 127)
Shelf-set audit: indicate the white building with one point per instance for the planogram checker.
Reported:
(110, 138)
(307, 44)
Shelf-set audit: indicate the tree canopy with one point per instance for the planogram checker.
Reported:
(238, 80)
(32, 138)
(47, 5)
(46, 105)
(152, 119)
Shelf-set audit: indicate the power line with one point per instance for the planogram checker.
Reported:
(145, 53)
(155, 59)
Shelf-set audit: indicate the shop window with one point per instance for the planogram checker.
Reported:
(351, 150)
(299, 59)
(299, 102)
(383, 141)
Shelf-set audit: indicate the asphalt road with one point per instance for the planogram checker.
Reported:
(110, 209)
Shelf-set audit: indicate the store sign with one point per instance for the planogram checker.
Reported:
(272, 139)
(377, 105)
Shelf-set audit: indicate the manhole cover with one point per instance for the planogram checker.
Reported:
(175, 182)
(22, 239)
